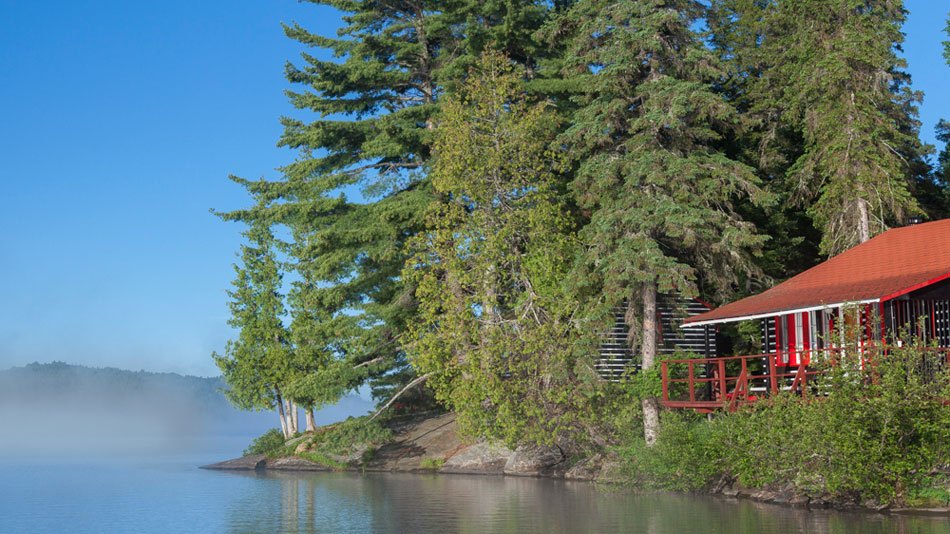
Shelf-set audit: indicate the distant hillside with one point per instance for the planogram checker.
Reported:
(106, 385)
(90, 408)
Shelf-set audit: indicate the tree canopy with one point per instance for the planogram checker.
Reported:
(485, 182)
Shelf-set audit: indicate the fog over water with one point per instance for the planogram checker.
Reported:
(63, 411)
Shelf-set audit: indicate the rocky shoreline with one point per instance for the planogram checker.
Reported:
(429, 444)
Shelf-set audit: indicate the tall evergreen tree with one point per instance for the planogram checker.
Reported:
(830, 70)
(943, 129)
(658, 190)
(377, 101)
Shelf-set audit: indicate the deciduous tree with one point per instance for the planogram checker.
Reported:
(492, 334)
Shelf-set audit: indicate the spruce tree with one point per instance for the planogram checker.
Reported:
(828, 70)
(658, 191)
(943, 130)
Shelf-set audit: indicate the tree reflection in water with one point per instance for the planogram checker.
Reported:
(305, 503)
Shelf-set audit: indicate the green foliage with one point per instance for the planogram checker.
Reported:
(432, 463)
(256, 364)
(324, 386)
(685, 458)
(346, 437)
(829, 107)
(270, 443)
(377, 103)
(645, 139)
(946, 44)
(492, 330)
(511, 200)
(322, 459)
(875, 432)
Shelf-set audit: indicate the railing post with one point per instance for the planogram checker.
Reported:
(743, 375)
(773, 379)
(722, 378)
(665, 379)
(692, 392)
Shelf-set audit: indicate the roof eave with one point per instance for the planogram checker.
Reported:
(773, 313)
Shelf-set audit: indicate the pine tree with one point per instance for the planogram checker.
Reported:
(829, 70)
(943, 130)
(377, 101)
(492, 335)
(659, 193)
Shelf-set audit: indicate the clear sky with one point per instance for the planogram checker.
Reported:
(119, 124)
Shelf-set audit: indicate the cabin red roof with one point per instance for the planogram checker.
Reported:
(889, 265)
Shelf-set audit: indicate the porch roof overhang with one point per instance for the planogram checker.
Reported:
(890, 265)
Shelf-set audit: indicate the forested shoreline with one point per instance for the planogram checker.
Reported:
(487, 181)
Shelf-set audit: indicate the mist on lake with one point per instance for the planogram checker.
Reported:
(58, 410)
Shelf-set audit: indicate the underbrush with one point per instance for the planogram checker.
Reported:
(270, 443)
(874, 432)
(350, 436)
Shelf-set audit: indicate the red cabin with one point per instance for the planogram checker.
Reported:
(894, 284)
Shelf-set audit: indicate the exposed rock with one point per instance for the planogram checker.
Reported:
(730, 491)
(586, 469)
(429, 438)
(799, 501)
(940, 511)
(252, 462)
(295, 463)
(743, 492)
(533, 460)
(302, 447)
(610, 471)
(298, 439)
(480, 458)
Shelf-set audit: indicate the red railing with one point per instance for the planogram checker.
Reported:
(708, 384)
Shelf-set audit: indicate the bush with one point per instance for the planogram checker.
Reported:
(872, 429)
(269, 443)
(684, 457)
(348, 436)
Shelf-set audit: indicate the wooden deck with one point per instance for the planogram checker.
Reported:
(707, 384)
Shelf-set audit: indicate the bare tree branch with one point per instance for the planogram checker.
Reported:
(409, 386)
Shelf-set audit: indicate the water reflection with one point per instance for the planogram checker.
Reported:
(300, 503)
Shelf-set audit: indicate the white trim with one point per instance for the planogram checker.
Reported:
(777, 312)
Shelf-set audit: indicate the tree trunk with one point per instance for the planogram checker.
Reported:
(651, 409)
(280, 412)
(294, 412)
(864, 222)
(311, 424)
(289, 418)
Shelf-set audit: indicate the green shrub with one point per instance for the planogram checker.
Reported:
(269, 443)
(872, 429)
(684, 457)
(432, 463)
(322, 459)
(348, 436)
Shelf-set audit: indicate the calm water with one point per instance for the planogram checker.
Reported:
(173, 496)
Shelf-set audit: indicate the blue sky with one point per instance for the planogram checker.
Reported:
(119, 124)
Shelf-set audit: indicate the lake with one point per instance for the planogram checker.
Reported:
(171, 495)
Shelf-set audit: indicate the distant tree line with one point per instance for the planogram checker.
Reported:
(523, 167)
